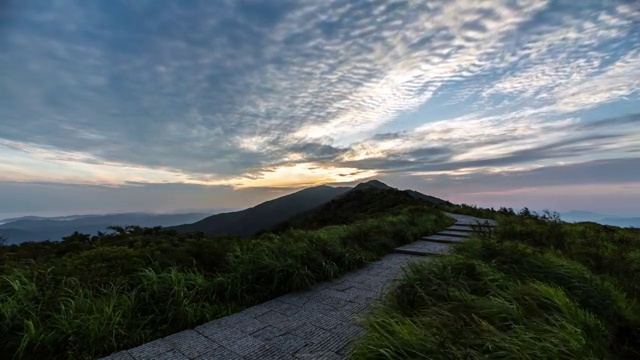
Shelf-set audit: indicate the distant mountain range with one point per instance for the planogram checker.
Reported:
(579, 216)
(36, 228)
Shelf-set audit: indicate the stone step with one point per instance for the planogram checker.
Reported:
(463, 234)
(443, 239)
(489, 223)
(424, 248)
(461, 228)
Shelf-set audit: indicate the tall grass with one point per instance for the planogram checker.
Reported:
(524, 291)
(55, 313)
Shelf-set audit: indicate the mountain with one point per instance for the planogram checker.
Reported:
(372, 184)
(578, 215)
(365, 201)
(334, 203)
(266, 215)
(420, 196)
(604, 219)
(33, 228)
(621, 221)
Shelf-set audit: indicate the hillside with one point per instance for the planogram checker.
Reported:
(534, 287)
(91, 296)
(266, 215)
(365, 201)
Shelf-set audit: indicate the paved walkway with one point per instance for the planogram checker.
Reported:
(440, 243)
(319, 323)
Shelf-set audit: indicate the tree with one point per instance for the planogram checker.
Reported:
(3, 249)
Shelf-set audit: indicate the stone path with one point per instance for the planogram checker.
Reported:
(319, 323)
(440, 243)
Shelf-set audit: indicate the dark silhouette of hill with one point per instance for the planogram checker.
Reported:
(266, 215)
(373, 184)
(376, 184)
(33, 228)
(420, 196)
(364, 201)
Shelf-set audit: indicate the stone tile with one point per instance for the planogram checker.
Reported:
(341, 286)
(281, 307)
(234, 340)
(312, 352)
(269, 352)
(319, 355)
(336, 294)
(345, 350)
(219, 354)
(246, 323)
(317, 319)
(346, 313)
(463, 234)
(298, 298)
(280, 321)
(354, 292)
(332, 343)
(335, 303)
(267, 333)
(150, 350)
(171, 355)
(425, 248)
(351, 331)
(444, 239)
(287, 343)
(312, 334)
(191, 343)
(362, 300)
(254, 311)
(220, 334)
(122, 355)
(245, 346)
(321, 308)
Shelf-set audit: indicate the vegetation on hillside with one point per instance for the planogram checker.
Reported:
(361, 203)
(266, 215)
(89, 296)
(533, 288)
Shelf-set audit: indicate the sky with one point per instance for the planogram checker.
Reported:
(110, 106)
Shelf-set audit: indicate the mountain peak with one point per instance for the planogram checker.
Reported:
(375, 184)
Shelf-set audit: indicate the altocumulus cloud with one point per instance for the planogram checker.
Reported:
(285, 93)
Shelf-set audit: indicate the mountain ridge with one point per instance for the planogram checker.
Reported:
(264, 215)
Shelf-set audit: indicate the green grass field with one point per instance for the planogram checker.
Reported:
(90, 296)
(534, 288)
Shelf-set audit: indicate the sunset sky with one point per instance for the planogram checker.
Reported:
(109, 106)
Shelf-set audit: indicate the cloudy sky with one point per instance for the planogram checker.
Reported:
(166, 105)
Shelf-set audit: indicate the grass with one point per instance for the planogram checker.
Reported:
(535, 288)
(88, 297)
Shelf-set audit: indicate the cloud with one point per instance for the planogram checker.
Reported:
(287, 94)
